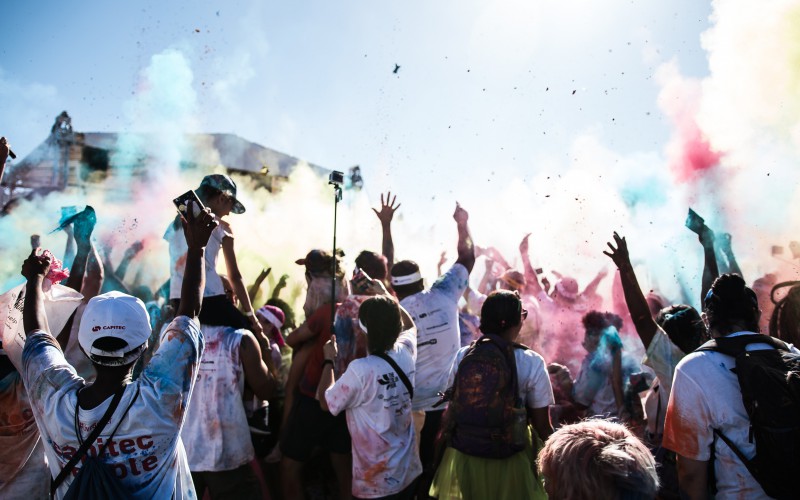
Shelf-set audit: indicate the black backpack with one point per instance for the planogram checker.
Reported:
(488, 417)
(95, 479)
(770, 385)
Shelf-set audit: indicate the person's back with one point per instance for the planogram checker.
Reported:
(146, 452)
(435, 312)
(216, 434)
(706, 397)
(133, 438)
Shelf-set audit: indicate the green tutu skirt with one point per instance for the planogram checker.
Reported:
(462, 476)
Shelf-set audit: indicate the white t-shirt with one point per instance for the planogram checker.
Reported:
(177, 259)
(216, 435)
(662, 356)
(379, 419)
(435, 313)
(532, 378)
(706, 396)
(593, 387)
(146, 453)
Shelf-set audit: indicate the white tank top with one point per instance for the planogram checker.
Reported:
(216, 435)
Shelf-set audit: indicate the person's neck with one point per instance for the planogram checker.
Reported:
(109, 380)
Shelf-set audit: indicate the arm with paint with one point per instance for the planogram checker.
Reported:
(197, 231)
(634, 297)
(385, 215)
(692, 478)
(466, 249)
(591, 288)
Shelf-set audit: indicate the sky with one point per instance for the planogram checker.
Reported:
(565, 119)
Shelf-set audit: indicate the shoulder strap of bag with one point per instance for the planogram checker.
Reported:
(85, 445)
(400, 372)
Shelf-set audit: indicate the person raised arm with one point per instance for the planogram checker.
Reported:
(197, 231)
(724, 244)
(130, 253)
(34, 269)
(385, 215)
(252, 292)
(276, 292)
(643, 321)
(531, 278)
(466, 249)
(591, 288)
(4, 151)
(86, 274)
(710, 269)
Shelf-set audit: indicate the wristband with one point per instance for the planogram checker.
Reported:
(327, 361)
(249, 314)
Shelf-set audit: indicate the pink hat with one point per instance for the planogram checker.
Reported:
(273, 315)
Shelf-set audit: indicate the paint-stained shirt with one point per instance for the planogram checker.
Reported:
(146, 453)
(379, 419)
(533, 382)
(216, 435)
(593, 387)
(435, 312)
(706, 396)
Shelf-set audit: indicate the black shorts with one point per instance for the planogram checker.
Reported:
(310, 426)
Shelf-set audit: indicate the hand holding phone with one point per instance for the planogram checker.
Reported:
(181, 203)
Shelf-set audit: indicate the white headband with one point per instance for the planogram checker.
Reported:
(267, 315)
(406, 280)
(362, 326)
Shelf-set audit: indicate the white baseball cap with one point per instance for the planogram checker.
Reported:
(116, 315)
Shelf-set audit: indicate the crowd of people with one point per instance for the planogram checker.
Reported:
(384, 387)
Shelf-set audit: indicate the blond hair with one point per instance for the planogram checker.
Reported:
(597, 459)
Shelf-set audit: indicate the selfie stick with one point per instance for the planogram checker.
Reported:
(337, 197)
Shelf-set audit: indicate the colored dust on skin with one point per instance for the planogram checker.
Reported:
(377, 469)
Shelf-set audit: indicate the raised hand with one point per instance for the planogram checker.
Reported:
(524, 245)
(198, 229)
(134, 249)
(724, 241)
(460, 215)
(84, 225)
(388, 208)
(35, 266)
(706, 237)
(619, 254)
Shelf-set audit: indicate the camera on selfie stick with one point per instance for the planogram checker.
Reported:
(335, 179)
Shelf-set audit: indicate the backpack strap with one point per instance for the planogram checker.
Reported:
(84, 447)
(400, 372)
(733, 346)
(747, 462)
